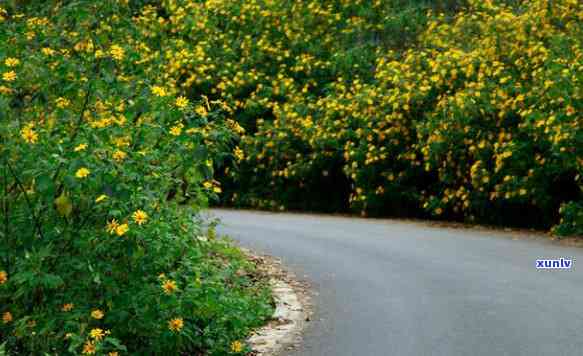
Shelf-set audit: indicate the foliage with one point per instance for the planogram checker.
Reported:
(469, 112)
(103, 164)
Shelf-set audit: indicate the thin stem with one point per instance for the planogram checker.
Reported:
(28, 202)
(6, 212)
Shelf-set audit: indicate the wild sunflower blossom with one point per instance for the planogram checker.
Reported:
(182, 102)
(122, 229)
(176, 324)
(11, 62)
(236, 346)
(7, 317)
(9, 76)
(140, 217)
(202, 111)
(28, 134)
(117, 52)
(176, 130)
(89, 348)
(97, 334)
(97, 314)
(239, 154)
(5, 90)
(80, 147)
(119, 155)
(169, 286)
(62, 103)
(82, 173)
(3, 277)
(159, 91)
(112, 225)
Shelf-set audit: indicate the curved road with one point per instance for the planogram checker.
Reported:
(399, 288)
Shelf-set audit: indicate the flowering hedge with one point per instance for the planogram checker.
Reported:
(102, 164)
(470, 112)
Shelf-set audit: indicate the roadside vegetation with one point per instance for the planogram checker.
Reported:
(102, 166)
(121, 119)
(460, 110)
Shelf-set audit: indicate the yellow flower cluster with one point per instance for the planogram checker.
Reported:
(491, 90)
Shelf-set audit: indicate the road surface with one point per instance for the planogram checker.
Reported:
(402, 288)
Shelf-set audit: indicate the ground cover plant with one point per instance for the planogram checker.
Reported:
(459, 110)
(103, 164)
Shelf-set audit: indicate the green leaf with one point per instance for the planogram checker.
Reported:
(63, 205)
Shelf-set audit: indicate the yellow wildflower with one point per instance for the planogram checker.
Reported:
(159, 91)
(119, 155)
(11, 62)
(182, 102)
(117, 52)
(97, 334)
(82, 173)
(239, 154)
(140, 217)
(9, 76)
(3, 277)
(176, 324)
(68, 307)
(89, 348)
(28, 133)
(176, 130)
(202, 111)
(122, 229)
(7, 317)
(5, 90)
(48, 51)
(62, 102)
(97, 314)
(169, 286)
(237, 346)
(112, 226)
(80, 147)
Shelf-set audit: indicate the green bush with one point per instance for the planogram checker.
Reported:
(470, 111)
(103, 165)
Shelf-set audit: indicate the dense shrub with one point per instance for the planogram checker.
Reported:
(263, 57)
(102, 165)
(470, 112)
(483, 121)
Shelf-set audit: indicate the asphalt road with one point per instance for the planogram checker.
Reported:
(399, 288)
